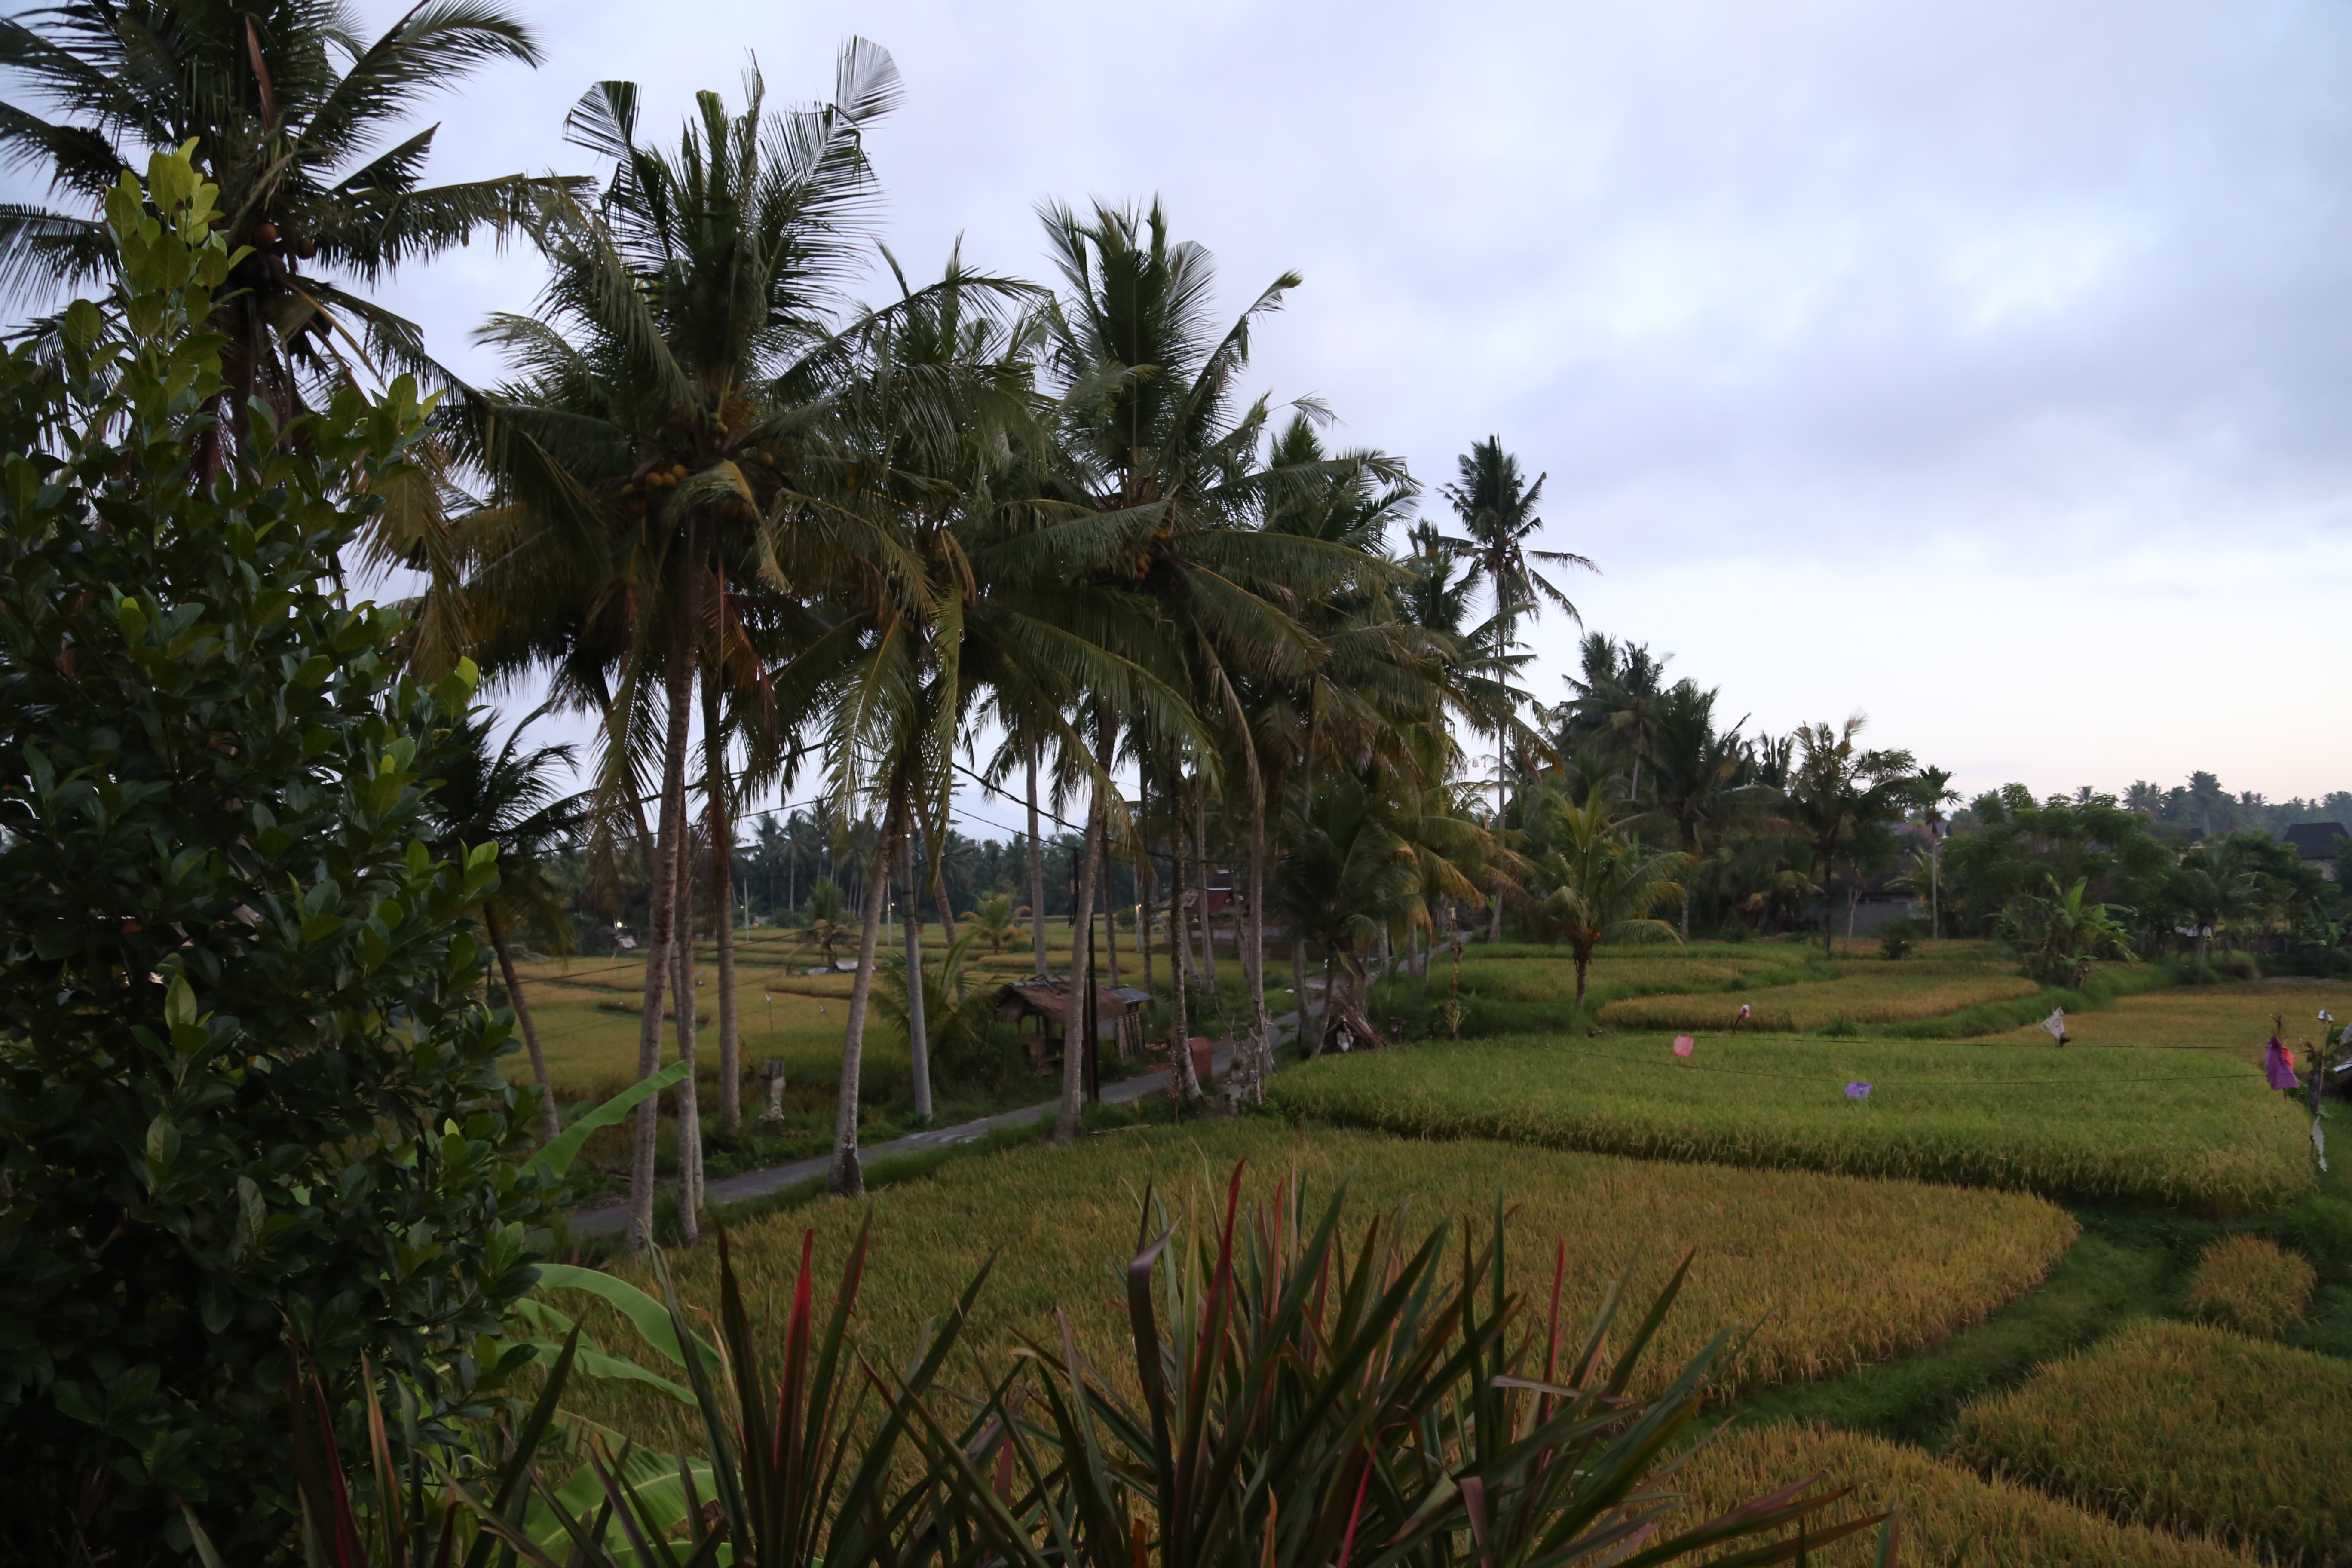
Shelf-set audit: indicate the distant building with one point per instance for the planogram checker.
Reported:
(2316, 843)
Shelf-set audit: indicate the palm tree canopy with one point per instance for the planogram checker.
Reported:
(295, 116)
(510, 795)
(1497, 507)
(1598, 886)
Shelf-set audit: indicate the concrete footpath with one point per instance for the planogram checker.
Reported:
(610, 1220)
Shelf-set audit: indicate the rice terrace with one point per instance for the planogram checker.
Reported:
(772, 879)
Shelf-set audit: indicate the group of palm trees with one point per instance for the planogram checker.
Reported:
(766, 532)
(768, 535)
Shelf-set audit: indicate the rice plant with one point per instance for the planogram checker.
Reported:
(2191, 1429)
(2171, 1128)
(1952, 1517)
(2252, 1285)
(1834, 1273)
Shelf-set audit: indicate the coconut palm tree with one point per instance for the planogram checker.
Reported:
(994, 921)
(1166, 455)
(1841, 797)
(1934, 791)
(1615, 703)
(1697, 779)
(662, 487)
(1597, 885)
(1496, 508)
(511, 797)
(1349, 878)
(297, 120)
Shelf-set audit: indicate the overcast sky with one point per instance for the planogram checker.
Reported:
(1979, 365)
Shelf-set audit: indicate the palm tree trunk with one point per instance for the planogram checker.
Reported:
(1829, 932)
(680, 684)
(919, 1032)
(1253, 937)
(1299, 983)
(723, 903)
(1037, 870)
(1583, 964)
(1180, 1021)
(1502, 753)
(1110, 915)
(848, 1178)
(1935, 891)
(1075, 1030)
(689, 1092)
(1201, 861)
(1143, 870)
(1323, 1014)
(548, 1125)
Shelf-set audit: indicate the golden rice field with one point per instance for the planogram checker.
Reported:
(2251, 1284)
(584, 1007)
(592, 1049)
(1834, 1273)
(2208, 1019)
(2192, 1429)
(1951, 1517)
(2147, 1126)
(1865, 993)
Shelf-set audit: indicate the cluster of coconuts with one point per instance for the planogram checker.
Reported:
(267, 237)
(661, 478)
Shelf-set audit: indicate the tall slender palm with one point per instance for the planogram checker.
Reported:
(511, 797)
(661, 478)
(1165, 453)
(966, 594)
(1496, 508)
(296, 119)
(1934, 791)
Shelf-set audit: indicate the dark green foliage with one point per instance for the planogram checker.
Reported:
(1896, 937)
(245, 1082)
(2014, 846)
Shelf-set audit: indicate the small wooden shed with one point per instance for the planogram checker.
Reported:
(1038, 1008)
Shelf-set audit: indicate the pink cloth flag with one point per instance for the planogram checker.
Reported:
(1683, 1044)
(2278, 1064)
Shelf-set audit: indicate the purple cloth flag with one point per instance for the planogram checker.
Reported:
(1857, 1092)
(2278, 1065)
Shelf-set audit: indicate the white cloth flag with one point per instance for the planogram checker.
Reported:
(2056, 1024)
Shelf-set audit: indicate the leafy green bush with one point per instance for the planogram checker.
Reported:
(244, 1089)
(1897, 937)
